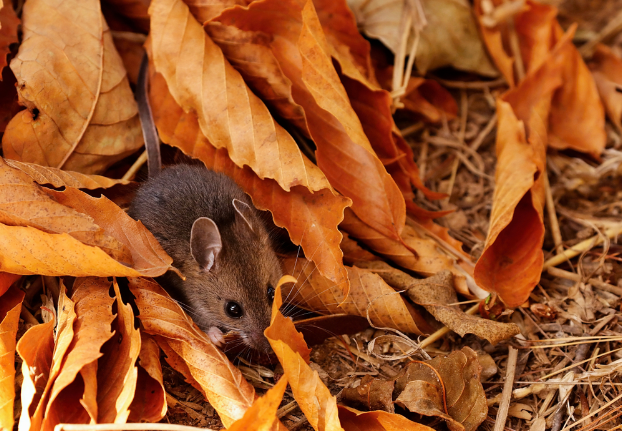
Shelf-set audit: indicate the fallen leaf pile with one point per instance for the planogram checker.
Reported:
(289, 99)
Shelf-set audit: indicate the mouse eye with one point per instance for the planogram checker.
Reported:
(270, 294)
(234, 310)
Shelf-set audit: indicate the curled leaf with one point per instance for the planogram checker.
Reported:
(149, 403)
(10, 307)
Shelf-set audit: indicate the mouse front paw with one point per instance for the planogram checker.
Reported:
(216, 336)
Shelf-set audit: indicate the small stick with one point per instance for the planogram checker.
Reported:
(581, 247)
(432, 338)
(476, 85)
(553, 222)
(556, 272)
(485, 132)
(140, 161)
(504, 405)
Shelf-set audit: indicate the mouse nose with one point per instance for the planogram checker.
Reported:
(258, 342)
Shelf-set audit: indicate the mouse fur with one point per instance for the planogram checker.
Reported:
(245, 270)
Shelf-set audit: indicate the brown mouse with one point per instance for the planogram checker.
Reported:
(217, 239)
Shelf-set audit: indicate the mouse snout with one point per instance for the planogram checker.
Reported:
(257, 341)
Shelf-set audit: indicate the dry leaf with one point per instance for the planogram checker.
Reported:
(370, 394)
(86, 114)
(58, 178)
(190, 351)
(9, 105)
(10, 307)
(73, 391)
(310, 218)
(368, 294)
(450, 38)
(435, 294)
(261, 416)
(607, 72)
(6, 280)
(8, 30)
(312, 396)
(36, 348)
(116, 369)
(354, 420)
(448, 387)
(236, 119)
(66, 317)
(347, 158)
(135, 10)
(149, 403)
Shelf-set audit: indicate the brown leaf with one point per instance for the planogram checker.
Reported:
(149, 403)
(6, 280)
(448, 387)
(368, 293)
(310, 218)
(93, 307)
(10, 307)
(58, 178)
(449, 39)
(236, 120)
(436, 293)
(130, 48)
(36, 348)
(370, 394)
(8, 30)
(312, 396)
(347, 159)
(606, 69)
(354, 420)
(9, 106)
(85, 119)
(261, 416)
(194, 355)
(37, 397)
(116, 369)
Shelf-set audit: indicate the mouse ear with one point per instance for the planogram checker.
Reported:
(205, 242)
(243, 210)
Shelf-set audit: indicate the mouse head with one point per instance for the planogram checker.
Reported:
(236, 271)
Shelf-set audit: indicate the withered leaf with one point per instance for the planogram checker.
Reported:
(191, 352)
(8, 30)
(313, 397)
(606, 68)
(6, 280)
(370, 394)
(261, 416)
(10, 307)
(149, 403)
(354, 420)
(81, 114)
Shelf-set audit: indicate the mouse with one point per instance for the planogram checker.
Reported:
(217, 239)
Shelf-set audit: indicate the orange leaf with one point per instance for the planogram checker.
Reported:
(200, 361)
(343, 152)
(116, 369)
(36, 348)
(368, 293)
(512, 259)
(10, 307)
(313, 397)
(354, 420)
(261, 416)
(58, 178)
(66, 317)
(6, 280)
(310, 218)
(230, 115)
(607, 71)
(85, 118)
(8, 30)
(149, 403)
(93, 307)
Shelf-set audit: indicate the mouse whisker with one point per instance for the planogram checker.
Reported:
(299, 247)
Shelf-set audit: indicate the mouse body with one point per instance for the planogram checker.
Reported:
(218, 240)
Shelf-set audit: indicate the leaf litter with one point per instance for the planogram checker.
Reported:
(436, 209)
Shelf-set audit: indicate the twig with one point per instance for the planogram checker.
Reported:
(432, 338)
(476, 85)
(614, 26)
(484, 133)
(556, 272)
(504, 405)
(553, 222)
(581, 247)
(140, 161)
